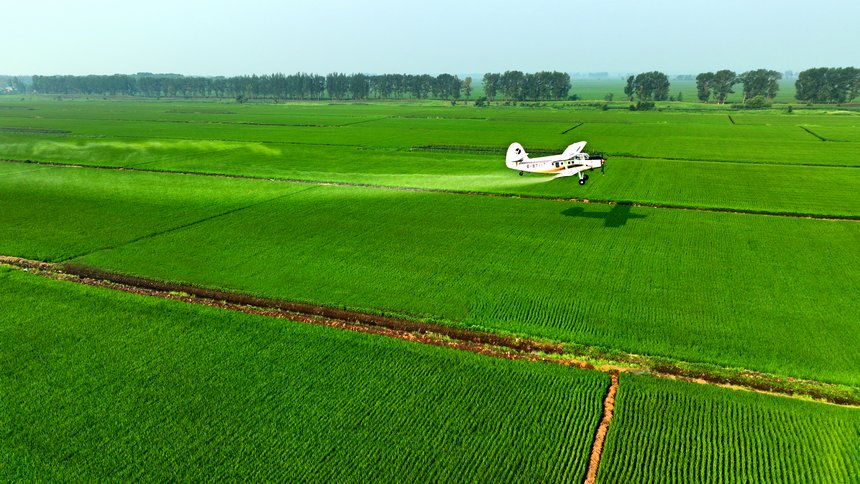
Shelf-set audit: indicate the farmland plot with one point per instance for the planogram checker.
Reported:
(99, 385)
(610, 276)
(671, 431)
(375, 144)
(52, 214)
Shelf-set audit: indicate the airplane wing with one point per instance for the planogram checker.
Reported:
(574, 149)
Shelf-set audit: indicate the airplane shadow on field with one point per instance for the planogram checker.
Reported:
(617, 217)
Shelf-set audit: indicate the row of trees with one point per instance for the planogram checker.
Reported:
(813, 85)
(828, 84)
(762, 83)
(274, 86)
(819, 85)
(519, 86)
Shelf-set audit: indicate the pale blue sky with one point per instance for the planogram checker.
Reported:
(381, 36)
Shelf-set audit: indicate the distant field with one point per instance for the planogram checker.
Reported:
(99, 385)
(651, 281)
(680, 432)
(708, 159)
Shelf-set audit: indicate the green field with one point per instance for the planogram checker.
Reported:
(105, 385)
(681, 432)
(723, 239)
(669, 158)
(651, 281)
(99, 385)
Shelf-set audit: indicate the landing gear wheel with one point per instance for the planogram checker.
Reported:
(521, 173)
(585, 177)
(582, 181)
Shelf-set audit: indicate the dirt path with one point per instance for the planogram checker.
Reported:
(490, 344)
(850, 218)
(600, 436)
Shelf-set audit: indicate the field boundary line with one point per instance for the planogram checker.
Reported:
(183, 226)
(812, 216)
(602, 429)
(568, 130)
(738, 162)
(820, 138)
(479, 341)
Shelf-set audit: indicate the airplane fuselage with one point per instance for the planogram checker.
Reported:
(572, 162)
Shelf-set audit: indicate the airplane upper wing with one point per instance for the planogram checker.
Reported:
(574, 149)
(569, 153)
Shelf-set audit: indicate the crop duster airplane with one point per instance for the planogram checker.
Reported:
(572, 162)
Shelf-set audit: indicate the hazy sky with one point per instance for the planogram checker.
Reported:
(387, 36)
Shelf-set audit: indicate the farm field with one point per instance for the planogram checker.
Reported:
(103, 385)
(719, 239)
(671, 431)
(667, 158)
(643, 280)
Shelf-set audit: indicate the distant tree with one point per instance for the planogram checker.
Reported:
(491, 84)
(704, 86)
(560, 85)
(337, 85)
(651, 86)
(760, 82)
(359, 86)
(467, 87)
(828, 84)
(446, 86)
(722, 83)
(512, 84)
(629, 89)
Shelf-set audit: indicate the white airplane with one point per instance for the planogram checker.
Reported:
(572, 162)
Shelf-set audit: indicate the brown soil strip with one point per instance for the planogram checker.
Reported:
(600, 436)
(451, 192)
(490, 344)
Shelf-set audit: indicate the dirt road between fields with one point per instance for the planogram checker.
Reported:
(602, 429)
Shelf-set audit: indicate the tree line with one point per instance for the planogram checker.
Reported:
(818, 85)
(278, 86)
(519, 86)
(757, 84)
(828, 84)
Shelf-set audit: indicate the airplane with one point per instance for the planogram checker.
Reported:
(572, 162)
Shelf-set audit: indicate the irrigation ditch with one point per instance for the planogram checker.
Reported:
(477, 341)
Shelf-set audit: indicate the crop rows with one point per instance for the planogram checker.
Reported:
(643, 280)
(679, 432)
(673, 158)
(100, 385)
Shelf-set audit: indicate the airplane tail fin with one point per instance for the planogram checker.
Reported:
(516, 154)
